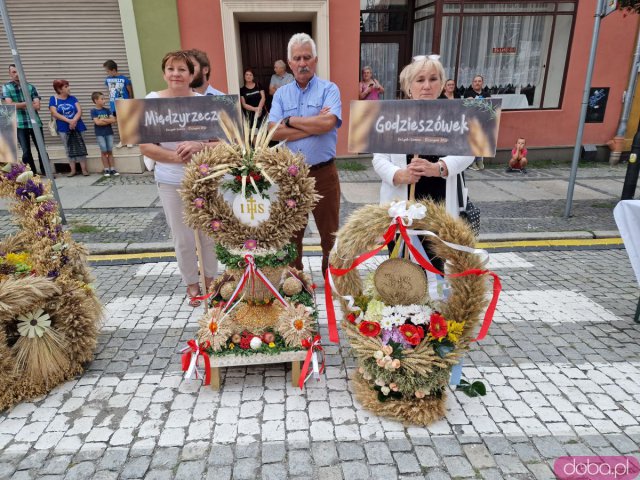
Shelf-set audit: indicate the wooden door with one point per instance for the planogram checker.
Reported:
(262, 43)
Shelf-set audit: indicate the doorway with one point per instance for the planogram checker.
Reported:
(262, 43)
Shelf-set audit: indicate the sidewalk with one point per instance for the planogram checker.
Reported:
(124, 215)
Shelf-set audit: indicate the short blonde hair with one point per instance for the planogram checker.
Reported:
(411, 71)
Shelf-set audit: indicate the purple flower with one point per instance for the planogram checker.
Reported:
(251, 244)
(16, 169)
(395, 336)
(46, 207)
(199, 202)
(293, 170)
(215, 225)
(291, 203)
(30, 188)
(53, 274)
(204, 169)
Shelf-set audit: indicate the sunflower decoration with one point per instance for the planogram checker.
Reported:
(214, 329)
(296, 324)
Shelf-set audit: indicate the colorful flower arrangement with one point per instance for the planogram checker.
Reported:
(49, 313)
(398, 331)
(405, 352)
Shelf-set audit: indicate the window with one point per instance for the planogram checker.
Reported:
(520, 48)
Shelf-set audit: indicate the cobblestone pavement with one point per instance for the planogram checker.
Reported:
(509, 214)
(561, 363)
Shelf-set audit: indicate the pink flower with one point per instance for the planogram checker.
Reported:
(291, 203)
(293, 170)
(216, 225)
(250, 244)
(199, 202)
(420, 394)
(204, 169)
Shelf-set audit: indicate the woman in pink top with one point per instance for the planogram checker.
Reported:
(370, 88)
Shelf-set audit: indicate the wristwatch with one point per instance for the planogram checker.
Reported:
(286, 122)
(441, 167)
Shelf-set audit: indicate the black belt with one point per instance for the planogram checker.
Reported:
(320, 165)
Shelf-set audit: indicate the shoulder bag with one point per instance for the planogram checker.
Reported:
(470, 213)
(53, 126)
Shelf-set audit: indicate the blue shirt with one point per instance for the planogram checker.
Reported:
(292, 101)
(117, 89)
(104, 113)
(67, 108)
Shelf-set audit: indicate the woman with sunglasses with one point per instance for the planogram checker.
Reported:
(434, 177)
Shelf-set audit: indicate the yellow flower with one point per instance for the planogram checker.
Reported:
(16, 258)
(272, 345)
(231, 346)
(454, 330)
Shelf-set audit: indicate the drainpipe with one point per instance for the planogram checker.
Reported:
(617, 143)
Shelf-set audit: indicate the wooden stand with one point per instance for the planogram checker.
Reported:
(259, 359)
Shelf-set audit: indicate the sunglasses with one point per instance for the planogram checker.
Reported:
(419, 58)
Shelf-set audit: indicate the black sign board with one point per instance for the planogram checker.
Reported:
(428, 127)
(155, 120)
(597, 105)
(8, 134)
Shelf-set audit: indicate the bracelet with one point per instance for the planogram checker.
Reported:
(441, 168)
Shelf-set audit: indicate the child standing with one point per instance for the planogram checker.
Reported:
(118, 86)
(518, 160)
(103, 119)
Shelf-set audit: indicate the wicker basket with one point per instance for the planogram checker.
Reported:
(255, 290)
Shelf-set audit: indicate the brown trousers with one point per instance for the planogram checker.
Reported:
(326, 212)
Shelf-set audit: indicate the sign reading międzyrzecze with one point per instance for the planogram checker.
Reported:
(426, 127)
(155, 120)
(8, 134)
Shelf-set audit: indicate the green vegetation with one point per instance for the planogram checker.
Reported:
(351, 165)
(83, 228)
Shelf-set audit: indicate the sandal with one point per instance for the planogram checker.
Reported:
(191, 294)
(72, 174)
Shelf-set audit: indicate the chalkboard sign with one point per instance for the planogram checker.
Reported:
(597, 105)
(428, 127)
(8, 134)
(155, 120)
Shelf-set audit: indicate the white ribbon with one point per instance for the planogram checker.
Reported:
(416, 211)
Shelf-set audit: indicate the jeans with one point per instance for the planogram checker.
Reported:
(24, 134)
(105, 142)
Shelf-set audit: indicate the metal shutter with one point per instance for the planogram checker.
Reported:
(68, 39)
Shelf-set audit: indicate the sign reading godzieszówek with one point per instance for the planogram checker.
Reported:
(427, 127)
(156, 120)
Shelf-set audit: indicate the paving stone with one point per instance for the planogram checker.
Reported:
(245, 469)
(406, 462)
(458, 467)
(330, 473)
(56, 465)
(113, 458)
(355, 470)
(135, 467)
(479, 456)
(299, 463)
(384, 472)
(190, 470)
(165, 458)
(273, 452)
(220, 455)
(350, 451)
(378, 453)
(324, 453)
(81, 471)
(274, 472)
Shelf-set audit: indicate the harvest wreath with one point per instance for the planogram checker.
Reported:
(405, 334)
(251, 198)
(49, 313)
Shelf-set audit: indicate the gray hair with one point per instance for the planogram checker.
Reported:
(301, 39)
(411, 71)
(280, 63)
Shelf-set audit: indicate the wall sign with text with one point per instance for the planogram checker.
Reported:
(8, 134)
(428, 127)
(155, 120)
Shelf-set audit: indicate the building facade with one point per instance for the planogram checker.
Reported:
(532, 54)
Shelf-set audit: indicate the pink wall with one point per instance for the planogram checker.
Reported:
(344, 37)
(201, 27)
(543, 128)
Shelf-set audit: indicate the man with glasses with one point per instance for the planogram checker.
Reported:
(310, 113)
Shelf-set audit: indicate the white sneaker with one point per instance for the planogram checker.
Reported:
(106, 173)
(473, 166)
(119, 145)
(480, 164)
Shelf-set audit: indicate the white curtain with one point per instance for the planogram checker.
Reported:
(423, 37)
(383, 59)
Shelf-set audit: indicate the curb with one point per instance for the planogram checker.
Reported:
(156, 247)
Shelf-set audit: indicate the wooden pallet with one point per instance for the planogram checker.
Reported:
(258, 359)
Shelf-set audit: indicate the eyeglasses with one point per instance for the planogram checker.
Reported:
(420, 58)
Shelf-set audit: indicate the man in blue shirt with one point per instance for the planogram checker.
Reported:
(311, 113)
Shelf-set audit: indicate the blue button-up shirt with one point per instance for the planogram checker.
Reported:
(292, 101)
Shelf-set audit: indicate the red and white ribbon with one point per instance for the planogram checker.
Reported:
(190, 356)
(398, 224)
(313, 346)
(250, 273)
